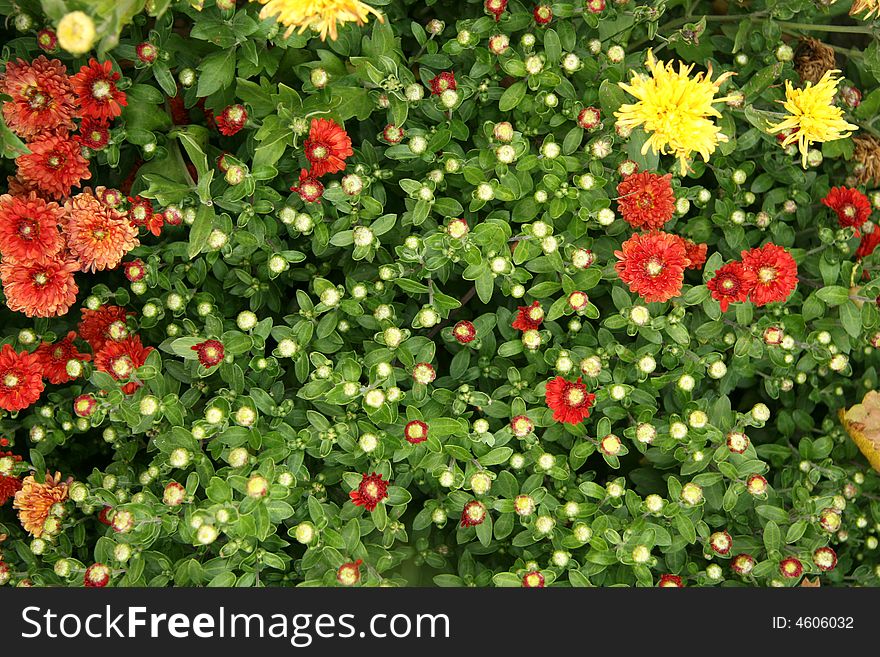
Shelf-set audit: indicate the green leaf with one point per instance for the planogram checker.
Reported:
(512, 96)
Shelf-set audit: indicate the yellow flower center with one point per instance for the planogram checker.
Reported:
(654, 267)
(767, 274)
(575, 396)
(10, 380)
(122, 366)
(101, 89)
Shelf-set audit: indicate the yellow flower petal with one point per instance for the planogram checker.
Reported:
(675, 110)
(812, 115)
(320, 15)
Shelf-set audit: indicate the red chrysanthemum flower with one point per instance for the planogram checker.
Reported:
(528, 317)
(349, 574)
(146, 52)
(496, 8)
(42, 97)
(9, 486)
(825, 558)
(791, 568)
(732, 283)
(98, 236)
(569, 401)
(775, 273)
(47, 39)
(39, 289)
(464, 332)
(96, 576)
(543, 14)
(646, 200)
(54, 166)
(106, 324)
(120, 360)
(53, 358)
(232, 119)
(99, 97)
(326, 147)
(93, 134)
(443, 81)
(670, 582)
(210, 352)
(696, 253)
(415, 432)
(135, 270)
(533, 580)
(851, 206)
(589, 118)
(869, 242)
(372, 490)
(473, 514)
(85, 405)
(29, 228)
(21, 382)
(140, 210)
(309, 188)
(393, 134)
(104, 515)
(653, 265)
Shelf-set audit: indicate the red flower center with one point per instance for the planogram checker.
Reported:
(55, 161)
(646, 201)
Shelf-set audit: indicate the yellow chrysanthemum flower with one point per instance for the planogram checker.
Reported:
(812, 115)
(674, 110)
(872, 7)
(319, 15)
(76, 33)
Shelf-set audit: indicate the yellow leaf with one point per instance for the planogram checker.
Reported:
(862, 423)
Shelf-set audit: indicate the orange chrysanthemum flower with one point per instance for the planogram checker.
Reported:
(696, 253)
(106, 324)
(653, 265)
(29, 228)
(37, 289)
(99, 97)
(120, 360)
(646, 200)
(20, 381)
(34, 501)
(53, 358)
(326, 147)
(55, 165)
(98, 235)
(42, 98)
(775, 273)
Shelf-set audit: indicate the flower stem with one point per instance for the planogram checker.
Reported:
(809, 27)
